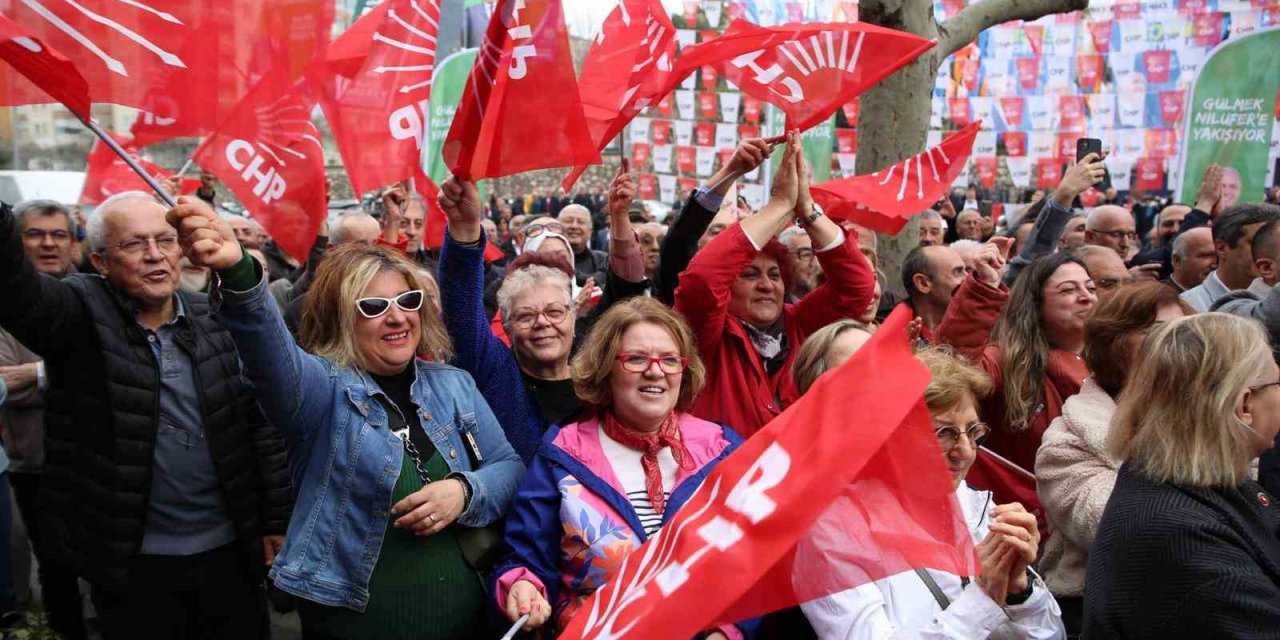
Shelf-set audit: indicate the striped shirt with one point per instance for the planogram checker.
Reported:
(627, 467)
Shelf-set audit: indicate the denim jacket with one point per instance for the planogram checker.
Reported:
(344, 459)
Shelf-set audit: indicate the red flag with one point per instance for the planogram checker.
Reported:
(1049, 172)
(815, 503)
(191, 59)
(379, 116)
(37, 62)
(986, 170)
(884, 200)
(640, 154)
(1035, 37)
(269, 154)
(852, 109)
(108, 174)
(1012, 107)
(710, 77)
(847, 140)
(660, 131)
(708, 103)
(958, 107)
(1028, 72)
(809, 70)
(521, 89)
(1101, 32)
(1171, 103)
(704, 134)
(1067, 145)
(648, 184)
(1015, 143)
(627, 70)
(1071, 113)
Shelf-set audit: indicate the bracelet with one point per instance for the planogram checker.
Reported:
(1015, 599)
(805, 221)
(466, 489)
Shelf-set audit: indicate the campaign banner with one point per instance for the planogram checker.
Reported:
(446, 91)
(818, 142)
(1231, 113)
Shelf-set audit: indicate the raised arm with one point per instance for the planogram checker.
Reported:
(1053, 219)
(477, 351)
(977, 304)
(292, 386)
(38, 310)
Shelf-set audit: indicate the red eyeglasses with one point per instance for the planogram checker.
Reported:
(640, 363)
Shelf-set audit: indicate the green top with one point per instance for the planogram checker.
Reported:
(421, 588)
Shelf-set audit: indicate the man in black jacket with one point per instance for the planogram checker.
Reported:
(163, 486)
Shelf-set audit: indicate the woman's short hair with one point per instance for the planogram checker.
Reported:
(1176, 417)
(528, 277)
(327, 327)
(1130, 309)
(593, 364)
(953, 381)
(812, 362)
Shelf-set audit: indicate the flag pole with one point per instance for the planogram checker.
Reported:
(129, 160)
(186, 165)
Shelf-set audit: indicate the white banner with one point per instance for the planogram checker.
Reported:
(982, 111)
(686, 105)
(1130, 143)
(686, 37)
(667, 188)
(1040, 114)
(662, 154)
(1102, 109)
(730, 106)
(754, 194)
(726, 136)
(712, 10)
(706, 161)
(684, 133)
(1042, 144)
(847, 164)
(1121, 169)
(984, 144)
(640, 130)
(1133, 109)
(1019, 170)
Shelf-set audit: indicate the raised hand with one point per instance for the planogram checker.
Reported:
(751, 153)
(1079, 177)
(988, 262)
(207, 240)
(393, 206)
(621, 191)
(804, 199)
(786, 183)
(1209, 195)
(461, 204)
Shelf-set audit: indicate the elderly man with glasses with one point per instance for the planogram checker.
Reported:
(162, 484)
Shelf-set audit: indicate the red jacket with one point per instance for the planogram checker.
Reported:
(967, 327)
(738, 393)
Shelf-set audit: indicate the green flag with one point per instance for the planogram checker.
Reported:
(447, 85)
(1231, 113)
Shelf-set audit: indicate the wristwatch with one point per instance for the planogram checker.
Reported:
(811, 218)
(1015, 599)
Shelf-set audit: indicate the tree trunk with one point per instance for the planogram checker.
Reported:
(894, 120)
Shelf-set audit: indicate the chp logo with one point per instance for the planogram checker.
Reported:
(781, 69)
(88, 28)
(285, 135)
(406, 60)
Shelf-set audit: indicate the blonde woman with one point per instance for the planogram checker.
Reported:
(393, 453)
(1187, 545)
(600, 487)
(826, 349)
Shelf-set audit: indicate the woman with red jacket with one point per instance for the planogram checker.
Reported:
(1028, 339)
(732, 295)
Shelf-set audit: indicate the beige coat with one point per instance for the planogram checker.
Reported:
(1074, 478)
(22, 417)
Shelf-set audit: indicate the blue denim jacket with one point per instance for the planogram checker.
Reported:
(343, 458)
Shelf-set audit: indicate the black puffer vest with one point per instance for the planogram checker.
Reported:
(101, 422)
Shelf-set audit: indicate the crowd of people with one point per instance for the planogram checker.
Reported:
(400, 441)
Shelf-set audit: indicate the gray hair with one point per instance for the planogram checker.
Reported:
(1179, 246)
(338, 235)
(1084, 251)
(39, 207)
(930, 214)
(96, 229)
(574, 208)
(966, 244)
(526, 278)
(789, 233)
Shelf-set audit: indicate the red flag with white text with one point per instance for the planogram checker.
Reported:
(379, 115)
(188, 61)
(626, 70)
(810, 70)
(817, 502)
(269, 154)
(886, 199)
(37, 62)
(107, 174)
(521, 109)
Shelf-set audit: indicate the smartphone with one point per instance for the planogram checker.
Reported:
(1086, 146)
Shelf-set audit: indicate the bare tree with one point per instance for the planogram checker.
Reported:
(894, 120)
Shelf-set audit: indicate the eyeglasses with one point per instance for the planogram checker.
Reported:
(376, 307)
(535, 230)
(525, 318)
(1118, 235)
(167, 243)
(949, 434)
(640, 363)
(57, 235)
(805, 255)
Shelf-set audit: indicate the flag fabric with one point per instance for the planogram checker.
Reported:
(810, 70)
(269, 154)
(38, 63)
(108, 174)
(1009, 482)
(870, 490)
(522, 96)
(886, 199)
(379, 114)
(186, 62)
(626, 70)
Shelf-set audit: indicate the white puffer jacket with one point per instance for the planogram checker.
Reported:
(1074, 479)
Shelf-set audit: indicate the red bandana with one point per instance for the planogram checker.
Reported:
(649, 444)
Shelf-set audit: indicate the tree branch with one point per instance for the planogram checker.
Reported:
(964, 28)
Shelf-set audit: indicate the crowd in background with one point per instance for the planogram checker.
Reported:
(406, 441)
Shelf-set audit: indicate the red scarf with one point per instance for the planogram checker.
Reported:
(649, 444)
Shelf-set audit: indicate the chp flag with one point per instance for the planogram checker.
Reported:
(107, 173)
(522, 95)
(269, 154)
(886, 199)
(810, 70)
(51, 71)
(815, 503)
